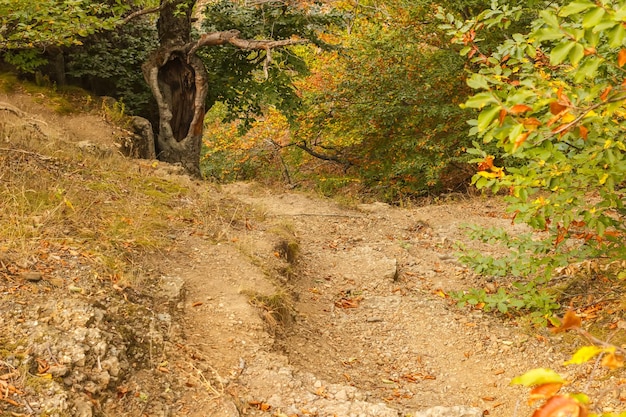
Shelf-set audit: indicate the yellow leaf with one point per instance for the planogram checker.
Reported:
(603, 179)
(568, 117)
(585, 353)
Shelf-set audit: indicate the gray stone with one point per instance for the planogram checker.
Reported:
(456, 411)
(82, 407)
(172, 288)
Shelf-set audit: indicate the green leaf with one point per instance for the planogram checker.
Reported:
(576, 54)
(593, 17)
(576, 7)
(480, 100)
(616, 36)
(547, 34)
(538, 376)
(560, 52)
(584, 354)
(478, 81)
(486, 117)
(550, 18)
(587, 70)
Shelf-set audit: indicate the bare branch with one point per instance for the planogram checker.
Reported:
(232, 37)
(144, 11)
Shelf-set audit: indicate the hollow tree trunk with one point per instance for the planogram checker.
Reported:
(178, 82)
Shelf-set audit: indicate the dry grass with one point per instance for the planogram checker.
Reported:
(117, 212)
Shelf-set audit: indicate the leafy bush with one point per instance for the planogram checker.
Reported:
(553, 99)
(109, 63)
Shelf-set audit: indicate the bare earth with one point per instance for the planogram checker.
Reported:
(305, 307)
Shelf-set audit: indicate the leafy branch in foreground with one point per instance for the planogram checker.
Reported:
(546, 384)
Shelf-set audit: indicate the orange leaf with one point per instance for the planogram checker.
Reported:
(520, 140)
(589, 51)
(570, 321)
(545, 391)
(606, 92)
(502, 116)
(583, 132)
(520, 108)
(561, 406)
(613, 361)
(486, 164)
(531, 121)
(556, 107)
(621, 58)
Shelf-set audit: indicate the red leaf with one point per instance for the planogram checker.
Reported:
(501, 116)
(531, 121)
(520, 139)
(561, 406)
(556, 107)
(606, 92)
(486, 164)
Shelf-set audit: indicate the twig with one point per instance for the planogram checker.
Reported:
(12, 109)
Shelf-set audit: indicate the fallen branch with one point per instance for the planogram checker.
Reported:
(12, 109)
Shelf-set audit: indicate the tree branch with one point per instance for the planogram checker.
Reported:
(332, 158)
(232, 37)
(144, 11)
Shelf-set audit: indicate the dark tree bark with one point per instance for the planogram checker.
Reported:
(178, 80)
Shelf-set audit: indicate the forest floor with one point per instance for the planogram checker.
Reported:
(256, 301)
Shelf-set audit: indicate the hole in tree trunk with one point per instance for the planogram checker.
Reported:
(177, 82)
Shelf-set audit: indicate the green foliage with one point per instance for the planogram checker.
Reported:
(537, 304)
(554, 99)
(109, 63)
(390, 103)
(248, 81)
(27, 26)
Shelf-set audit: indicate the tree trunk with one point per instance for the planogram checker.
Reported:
(179, 84)
(178, 80)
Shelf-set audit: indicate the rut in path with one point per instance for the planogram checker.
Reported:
(370, 316)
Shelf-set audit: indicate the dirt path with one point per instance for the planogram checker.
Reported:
(296, 307)
(369, 333)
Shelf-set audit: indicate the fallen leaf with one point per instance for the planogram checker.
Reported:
(613, 361)
(570, 321)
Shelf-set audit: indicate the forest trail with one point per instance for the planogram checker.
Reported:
(366, 329)
(268, 303)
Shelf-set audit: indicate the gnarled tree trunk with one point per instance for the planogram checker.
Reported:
(179, 84)
(178, 80)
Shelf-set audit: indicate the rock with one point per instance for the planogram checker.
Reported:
(172, 288)
(58, 371)
(456, 411)
(82, 407)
